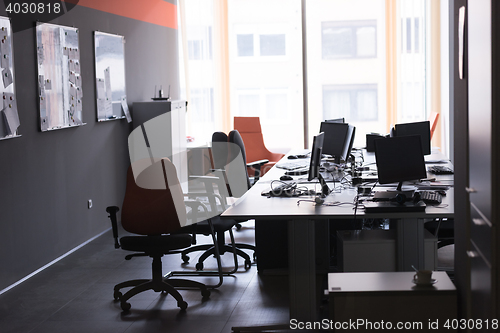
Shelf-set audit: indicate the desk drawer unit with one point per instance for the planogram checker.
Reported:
(377, 299)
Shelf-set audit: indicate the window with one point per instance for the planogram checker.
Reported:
(413, 70)
(349, 39)
(410, 44)
(263, 45)
(201, 47)
(245, 45)
(357, 103)
(265, 61)
(202, 104)
(272, 45)
(248, 104)
(346, 65)
(271, 105)
(367, 61)
(276, 105)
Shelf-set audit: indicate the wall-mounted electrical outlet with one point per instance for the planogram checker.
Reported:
(89, 203)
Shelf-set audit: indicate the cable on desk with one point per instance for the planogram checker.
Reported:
(356, 202)
(441, 206)
(333, 203)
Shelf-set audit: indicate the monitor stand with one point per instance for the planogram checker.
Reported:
(407, 191)
(325, 190)
(399, 200)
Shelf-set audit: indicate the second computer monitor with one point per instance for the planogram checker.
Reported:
(399, 159)
(351, 133)
(422, 128)
(337, 139)
(337, 120)
(315, 161)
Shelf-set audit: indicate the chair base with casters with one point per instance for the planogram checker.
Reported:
(209, 250)
(155, 247)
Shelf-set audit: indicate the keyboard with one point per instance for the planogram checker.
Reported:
(293, 165)
(440, 170)
(431, 197)
(297, 172)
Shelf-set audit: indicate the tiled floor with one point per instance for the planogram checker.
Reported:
(76, 295)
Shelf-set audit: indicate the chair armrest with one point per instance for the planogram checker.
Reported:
(206, 178)
(112, 210)
(194, 205)
(208, 195)
(257, 164)
(209, 181)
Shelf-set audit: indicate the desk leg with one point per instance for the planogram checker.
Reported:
(302, 270)
(410, 244)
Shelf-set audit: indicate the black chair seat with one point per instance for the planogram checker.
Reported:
(158, 244)
(219, 225)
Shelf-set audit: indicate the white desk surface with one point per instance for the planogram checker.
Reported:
(253, 205)
(384, 282)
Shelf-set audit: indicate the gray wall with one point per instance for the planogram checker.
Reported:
(47, 178)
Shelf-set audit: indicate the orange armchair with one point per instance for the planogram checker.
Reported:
(251, 132)
(433, 118)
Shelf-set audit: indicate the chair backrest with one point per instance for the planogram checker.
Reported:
(154, 202)
(228, 153)
(219, 150)
(251, 133)
(238, 147)
(433, 118)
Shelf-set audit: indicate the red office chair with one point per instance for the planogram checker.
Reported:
(251, 132)
(153, 215)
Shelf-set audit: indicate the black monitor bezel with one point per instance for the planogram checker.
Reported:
(315, 161)
(406, 144)
(422, 128)
(337, 120)
(351, 134)
(333, 147)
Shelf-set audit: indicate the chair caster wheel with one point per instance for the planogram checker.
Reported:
(182, 305)
(185, 258)
(205, 293)
(125, 306)
(117, 295)
(199, 266)
(248, 264)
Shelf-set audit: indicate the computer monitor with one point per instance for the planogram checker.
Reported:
(399, 159)
(422, 128)
(348, 147)
(338, 120)
(315, 163)
(336, 139)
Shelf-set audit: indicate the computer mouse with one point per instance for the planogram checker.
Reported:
(285, 177)
(292, 157)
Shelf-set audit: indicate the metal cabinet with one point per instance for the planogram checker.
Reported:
(483, 128)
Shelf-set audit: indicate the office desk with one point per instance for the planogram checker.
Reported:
(301, 233)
